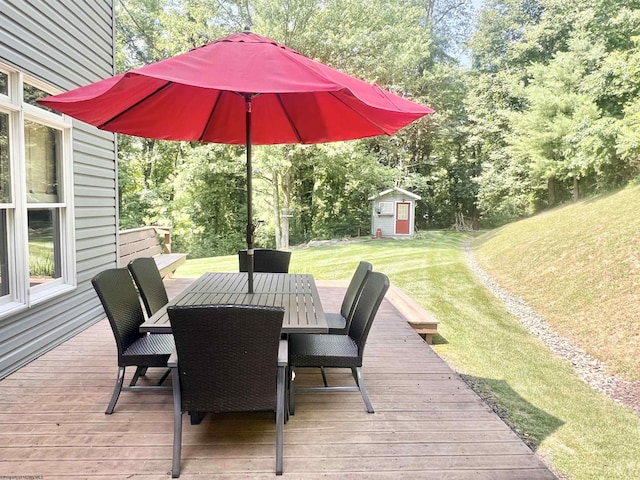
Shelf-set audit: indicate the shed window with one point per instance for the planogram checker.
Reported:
(37, 254)
(403, 211)
(385, 208)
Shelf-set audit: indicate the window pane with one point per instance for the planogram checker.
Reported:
(4, 84)
(5, 192)
(4, 255)
(44, 246)
(403, 211)
(32, 94)
(42, 153)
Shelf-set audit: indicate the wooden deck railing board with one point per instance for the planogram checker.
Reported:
(428, 423)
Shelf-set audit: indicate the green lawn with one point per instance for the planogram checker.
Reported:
(579, 266)
(581, 433)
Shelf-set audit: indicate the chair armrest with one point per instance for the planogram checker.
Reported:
(283, 353)
(173, 360)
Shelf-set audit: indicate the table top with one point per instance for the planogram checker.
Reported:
(296, 293)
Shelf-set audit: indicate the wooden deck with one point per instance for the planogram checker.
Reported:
(428, 424)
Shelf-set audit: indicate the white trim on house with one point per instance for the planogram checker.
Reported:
(21, 293)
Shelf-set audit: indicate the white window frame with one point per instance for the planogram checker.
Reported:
(386, 208)
(21, 295)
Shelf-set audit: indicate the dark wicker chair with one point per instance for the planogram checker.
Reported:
(120, 300)
(266, 260)
(339, 351)
(229, 358)
(339, 322)
(149, 282)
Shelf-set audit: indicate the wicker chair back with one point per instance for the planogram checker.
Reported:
(373, 291)
(227, 356)
(147, 277)
(120, 300)
(266, 260)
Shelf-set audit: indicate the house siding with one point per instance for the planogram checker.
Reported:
(66, 43)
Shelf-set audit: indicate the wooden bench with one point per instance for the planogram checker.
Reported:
(424, 323)
(146, 242)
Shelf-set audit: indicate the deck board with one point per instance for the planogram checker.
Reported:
(428, 424)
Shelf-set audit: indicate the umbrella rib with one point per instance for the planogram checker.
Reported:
(208, 122)
(359, 114)
(290, 120)
(130, 107)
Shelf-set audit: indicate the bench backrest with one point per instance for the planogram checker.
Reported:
(138, 243)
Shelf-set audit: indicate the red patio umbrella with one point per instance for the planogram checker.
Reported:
(240, 89)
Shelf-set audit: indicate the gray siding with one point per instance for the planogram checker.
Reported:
(67, 43)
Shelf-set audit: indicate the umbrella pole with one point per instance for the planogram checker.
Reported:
(250, 229)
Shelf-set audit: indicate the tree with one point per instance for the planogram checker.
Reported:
(555, 130)
(209, 207)
(324, 188)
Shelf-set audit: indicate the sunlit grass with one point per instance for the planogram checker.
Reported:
(579, 266)
(41, 263)
(581, 432)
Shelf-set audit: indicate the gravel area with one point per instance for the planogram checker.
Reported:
(589, 369)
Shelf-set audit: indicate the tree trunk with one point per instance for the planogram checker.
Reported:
(286, 204)
(551, 191)
(277, 218)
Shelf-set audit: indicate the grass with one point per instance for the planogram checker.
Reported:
(580, 432)
(579, 267)
(41, 263)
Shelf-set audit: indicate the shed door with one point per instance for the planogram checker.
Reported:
(402, 218)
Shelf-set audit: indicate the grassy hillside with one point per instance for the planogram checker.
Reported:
(579, 267)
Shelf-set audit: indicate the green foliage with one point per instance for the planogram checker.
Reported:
(41, 265)
(547, 112)
(331, 190)
(325, 189)
(571, 68)
(209, 204)
(379, 41)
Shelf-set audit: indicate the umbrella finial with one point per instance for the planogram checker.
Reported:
(247, 29)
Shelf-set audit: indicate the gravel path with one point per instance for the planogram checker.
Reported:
(589, 369)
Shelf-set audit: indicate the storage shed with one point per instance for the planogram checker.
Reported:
(393, 213)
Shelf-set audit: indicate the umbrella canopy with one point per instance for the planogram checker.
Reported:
(240, 89)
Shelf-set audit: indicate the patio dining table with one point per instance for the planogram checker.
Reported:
(296, 293)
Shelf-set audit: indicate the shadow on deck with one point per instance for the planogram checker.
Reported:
(428, 423)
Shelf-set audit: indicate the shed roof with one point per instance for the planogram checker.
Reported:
(397, 189)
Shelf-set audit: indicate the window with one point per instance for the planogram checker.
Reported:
(37, 252)
(403, 211)
(385, 208)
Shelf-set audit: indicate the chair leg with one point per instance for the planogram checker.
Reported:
(116, 391)
(287, 375)
(177, 425)
(292, 391)
(164, 377)
(140, 372)
(357, 374)
(324, 377)
(280, 394)
(197, 417)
